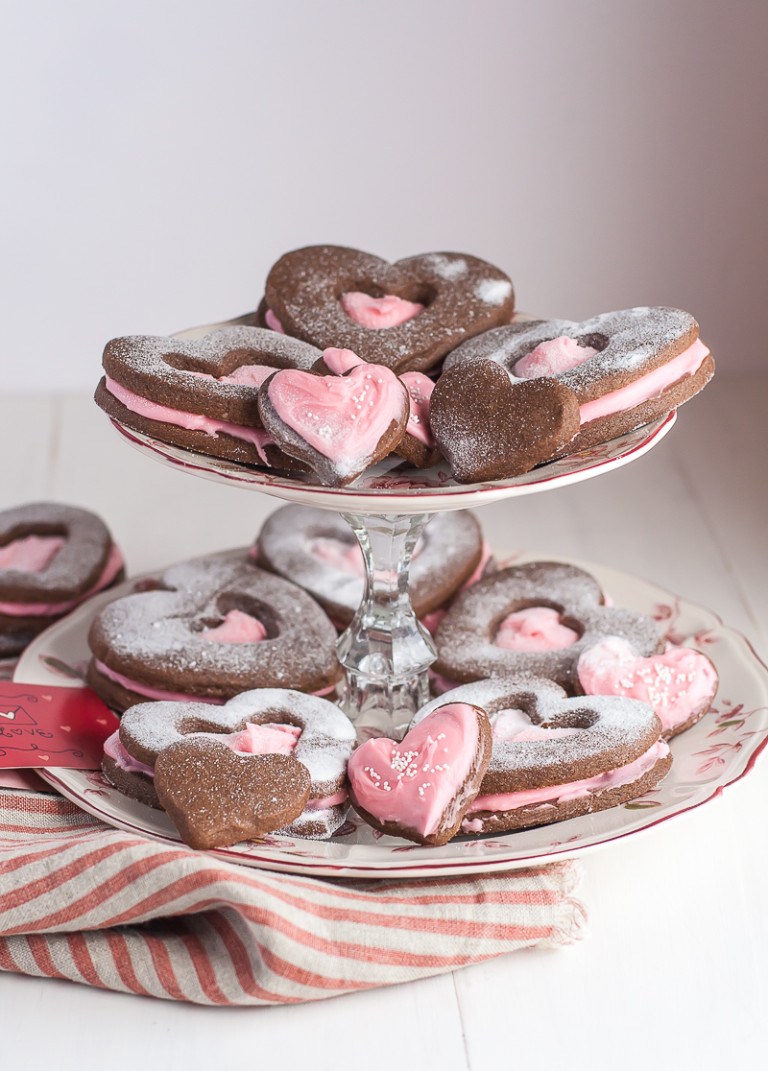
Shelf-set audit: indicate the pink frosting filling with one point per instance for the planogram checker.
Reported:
(549, 358)
(342, 417)
(174, 697)
(268, 739)
(31, 554)
(387, 311)
(676, 683)
(420, 389)
(248, 375)
(272, 321)
(47, 609)
(237, 627)
(624, 775)
(347, 558)
(413, 782)
(190, 421)
(514, 724)
(538, 628)
(646, 387)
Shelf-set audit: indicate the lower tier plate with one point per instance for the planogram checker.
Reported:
(716, 752)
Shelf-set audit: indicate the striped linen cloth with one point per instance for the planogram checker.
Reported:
(83, 901)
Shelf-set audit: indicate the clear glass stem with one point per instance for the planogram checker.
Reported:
(386, 652)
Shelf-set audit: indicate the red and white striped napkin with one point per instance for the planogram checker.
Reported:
(83, 901)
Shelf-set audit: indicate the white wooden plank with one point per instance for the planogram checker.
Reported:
(414, 1025)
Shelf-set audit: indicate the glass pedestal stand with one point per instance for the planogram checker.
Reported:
(385, 651)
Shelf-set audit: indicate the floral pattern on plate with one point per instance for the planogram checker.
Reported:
(720, 749)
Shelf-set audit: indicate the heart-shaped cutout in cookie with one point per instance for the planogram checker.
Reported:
(679, 684)
(337, 424)
(421, 787)
(490, 429)
(460, 294)
(216, 797)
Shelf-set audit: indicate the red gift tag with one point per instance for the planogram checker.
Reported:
(44, 725)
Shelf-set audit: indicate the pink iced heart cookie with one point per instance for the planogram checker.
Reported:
(679, 684)
(421, 787)
(338, 424)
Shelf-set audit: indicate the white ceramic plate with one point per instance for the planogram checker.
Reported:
(717, 751)
(381, 490)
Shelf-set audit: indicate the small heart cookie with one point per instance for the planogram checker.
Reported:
(216, 797)
(490, 429)
(406, 315)
(421, 787)
(337, 424)
(679, 684)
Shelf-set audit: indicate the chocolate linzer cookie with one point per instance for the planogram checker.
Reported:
(317, 550)
(263, 721)
(626, 368)
(201, 394)
(405, 316)
(52, 557)
(556, 757)
(535, 618)
(213, 627)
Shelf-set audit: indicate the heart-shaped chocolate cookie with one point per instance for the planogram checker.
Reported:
(317, 292)
(52, 556)
(216, 797)
(177, 641)
(491, 429)
(337, 424)
(626, 368)
(420, 788)
(556, 757)
(201, 394)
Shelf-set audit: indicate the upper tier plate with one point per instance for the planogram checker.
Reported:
(410, 490)
(379, 489)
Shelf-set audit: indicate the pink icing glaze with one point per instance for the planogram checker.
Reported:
(48, 609)
(31, 554)
(175, 697)
(624, 775)
(646, 387)
(537, 628)
(514, 724)
(327, 801)
(676, 683)
(237, 627)
(413, 782)
(549, 358)
(272, 321)
(387, 311)
(420, 389)
(342, 417)
(190, 421)
(341, 361)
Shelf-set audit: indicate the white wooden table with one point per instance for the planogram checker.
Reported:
(674, 970)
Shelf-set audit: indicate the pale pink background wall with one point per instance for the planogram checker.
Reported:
(161, 154)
